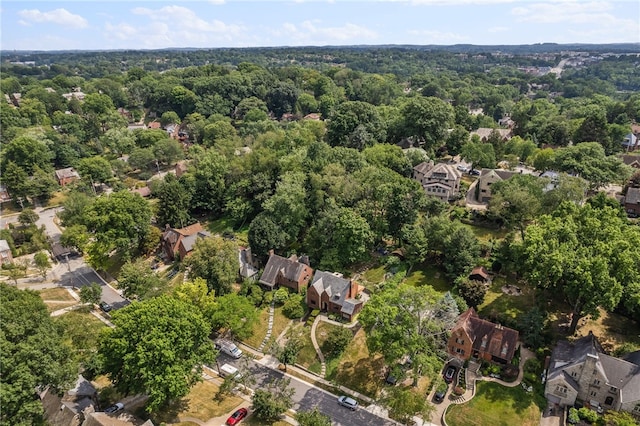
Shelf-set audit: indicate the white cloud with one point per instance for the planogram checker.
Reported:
(564, 11)
(184, 19)
(216, 2)
(57, 16)
(312, 32)
(438, 37)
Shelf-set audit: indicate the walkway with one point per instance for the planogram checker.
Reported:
(269, 327)
(316, 346)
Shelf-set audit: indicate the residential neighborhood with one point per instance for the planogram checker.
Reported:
(306, 236)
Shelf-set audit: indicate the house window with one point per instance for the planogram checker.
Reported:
(574, 374)
(608, 400)
(313, 302)
(561, 389)
(593, 393)
(459, 341)
(613, 389)
(460, 351)
(596, 382)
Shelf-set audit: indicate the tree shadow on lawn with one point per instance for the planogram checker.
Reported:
(512, 398)
(366, 375)
(166, 414)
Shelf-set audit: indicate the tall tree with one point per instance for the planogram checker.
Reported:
(355, 124)
(312, 418)
(587, 255)
(157, 348)
(96, 169)
(427, 119)
(138, 280)
(174, 202)
(517, 201)
(273, 400)
(234, 315)
(33, 355)
(91, 293)
(216, 260)
(479, 154)
(27, 152)
(41, 262)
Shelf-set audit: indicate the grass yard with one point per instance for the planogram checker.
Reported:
(504, 307)
(82, 331)
(199, 404)
(225, 224)
(428, 274)
(612, 330)
(307, 357)
(485, 234)
(374, 275)
(57, 199)
(357, 369)
(280, 322)
(253, 421)
(58, 294)
(496, 405)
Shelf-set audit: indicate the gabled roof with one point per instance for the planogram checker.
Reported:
(485, 133)
(334, 285)
(629, 159)
(633, 196)
(480, 270)
(487, 336)
(502, 174)
(4, 245)
(447, 170)
(69, 172)
(423, 167)
(190, 240)
(290, 269)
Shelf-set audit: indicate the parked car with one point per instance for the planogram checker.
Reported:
(462, 168)
(228, 347)
(350, 403)
(438, 397)
(105, 307)
(474, 172)
(449, 373)
(114, 408)
(237, 416)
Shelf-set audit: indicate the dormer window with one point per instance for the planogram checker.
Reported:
(483, 344)
(505, 348)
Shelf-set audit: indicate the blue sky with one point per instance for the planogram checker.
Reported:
(119, 24)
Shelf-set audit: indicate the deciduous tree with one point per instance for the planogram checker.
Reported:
(41, 261)
(138, 280)
(272, 401)
(216, 260)
(91, 293)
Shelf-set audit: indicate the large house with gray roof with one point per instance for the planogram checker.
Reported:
(331, 292)
(292, 273)
(582, 372)
(438, 180)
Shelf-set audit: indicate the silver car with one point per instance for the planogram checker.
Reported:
(350, 403)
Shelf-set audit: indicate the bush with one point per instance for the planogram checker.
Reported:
(587, 415)
(281, 295)
(573, 417)
(294, 307)
(315, 313)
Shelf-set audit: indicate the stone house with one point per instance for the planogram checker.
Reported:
(440, 180)
(484, 133)
(66, 176)
(331, 292)
(248, 263)
(178, 243)
(487, 178)
(582, 372)
(473, 337)
(5, 252)
(632, 202)
(292, 273)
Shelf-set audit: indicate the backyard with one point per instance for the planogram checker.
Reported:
(504, 307)
(495, 405)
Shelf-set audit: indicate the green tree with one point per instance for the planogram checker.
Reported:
(294, 307)
(355, 124)
(473, 292)
(169, 117)
(517, 201)
(16, 180)
(315, 418)
(27, 152)
(272, 401)
(265, 234)
(91, 293)
(119, 141)
(587, 255)
(234, 315)
(288, 354)
(532, 325)
(209, 171)
(337, 341)
(174, 202)
(75, 236)
(479, 154)
(427, 119)
(41, 261)
(17, 270)
(619, 418)
(97, 169)
(138, 280)
(216, 260)
(411, 321)
(28, 217)
(142, 159)
(157, 348)
(74, 207)
(287, 205)
(197, 293)
(119, 221)
(167, 151)
(405, 403)
(33, 355)
(42, 184)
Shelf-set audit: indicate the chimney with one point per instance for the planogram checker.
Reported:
(271, 253)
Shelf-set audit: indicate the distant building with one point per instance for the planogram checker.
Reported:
(632, 202)
(487, 178)
(631, 160)
(630, 142)
(178, 243)
(331, 292)
(480, 273)
(66, 176)
(440, 180)
(5, 252)
(484, 133)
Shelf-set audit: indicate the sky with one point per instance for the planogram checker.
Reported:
(119, 24)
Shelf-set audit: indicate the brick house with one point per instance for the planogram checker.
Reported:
(581, 371)
(66, 176)
(632, 201)
(439, 180)
(482, 339)
(178, 243)
(331, 292)
(292, 273)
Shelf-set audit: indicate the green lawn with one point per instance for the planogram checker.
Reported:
(82, 331)
(307, 357)
(424, 274)
(485, 234)
(225, 224)
(496, 405)
(375, 275)
(505, 307)
(280, 322)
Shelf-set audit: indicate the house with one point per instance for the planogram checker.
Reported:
(4, 194)
(581, 371)
(312, 116)
(144, 191)
(631, 160)
(5, 252)
(482, 339)
(179, 242)
(440, 180)
(72, 407)
(632, 201)
(66, 176)
(487, 178)
(136, 126)
(630, 142)
(484, 133)
(248, 263)
(292, 273)
(331, 292)
(480, 273)
(154, 125)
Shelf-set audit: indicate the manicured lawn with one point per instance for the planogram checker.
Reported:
(223, 224)
(199, 404)
(359, 370)
(500, 305)
(307, 357)
(486, 234)
(280, 322)
(425, 274)
(57, 294)
(496, 405)
(374, 275)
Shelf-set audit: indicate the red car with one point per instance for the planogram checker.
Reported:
(237, 416)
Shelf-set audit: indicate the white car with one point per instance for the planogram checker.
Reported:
(462, 168)
(114, 408)
(350, 403)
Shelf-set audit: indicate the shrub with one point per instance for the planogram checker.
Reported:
(281, 295)
(315, 313)
(587, 414)
(573, 417)
(294, 307)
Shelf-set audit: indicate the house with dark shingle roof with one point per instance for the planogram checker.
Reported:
(632, 201)
(292, 273)
(179, 242)
(631, 160)
(482, 339)
(581, 371)
(331, 292)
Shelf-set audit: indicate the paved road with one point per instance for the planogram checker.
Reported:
(307, 396)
